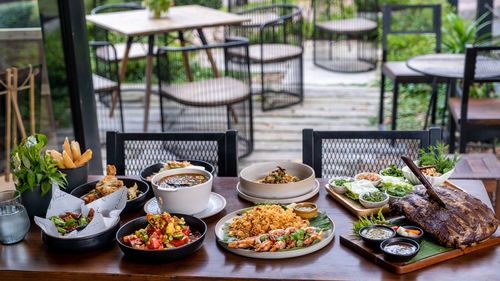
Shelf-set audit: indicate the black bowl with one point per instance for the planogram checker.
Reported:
(398, 257)
(76, 176)
(419, 238)
(172, 254)
(83, 244)
(376, 242)
(132, 205)
(153, 169)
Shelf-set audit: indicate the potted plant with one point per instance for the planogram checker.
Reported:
(34, 173)
(157, 8)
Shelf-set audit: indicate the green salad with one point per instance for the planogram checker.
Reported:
(354, 189)
(392, 171)
(376, 196)
(340, 181)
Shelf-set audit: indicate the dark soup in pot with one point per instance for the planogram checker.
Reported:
(182, 180)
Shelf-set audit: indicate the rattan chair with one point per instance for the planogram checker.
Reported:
(347, 153)
(206, 88)
(477, 119)
(345, 35)
(397, 71)
(132, 152)
(276, 52)
(106, 81)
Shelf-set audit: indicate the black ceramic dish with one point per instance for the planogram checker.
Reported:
(132, 205)
(89, 243)
(195, 224)
(153, 169)
(76, 176)
(419, 238)
(376, 242)
(398, 257)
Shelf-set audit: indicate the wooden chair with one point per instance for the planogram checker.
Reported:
(476, 119)
(346, 153)
(132, 152)
(397, 71)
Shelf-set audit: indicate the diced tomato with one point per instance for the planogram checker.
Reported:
(180, 242)
(186, 230)
(395, 227)
(154, 242)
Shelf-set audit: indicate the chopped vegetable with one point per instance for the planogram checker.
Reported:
(392, 171)
(375, 196)
(279, 176)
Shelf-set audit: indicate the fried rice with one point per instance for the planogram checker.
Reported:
(263, 219)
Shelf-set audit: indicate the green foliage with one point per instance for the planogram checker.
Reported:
(368, 220)
(158, 6)
(216, 4)
(458, 32)
(32, 167)
(438, 156)
(19, 14)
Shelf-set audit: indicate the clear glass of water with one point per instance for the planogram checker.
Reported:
(14, 220)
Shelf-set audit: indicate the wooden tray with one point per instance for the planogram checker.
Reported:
(357, 209)
(356, 243)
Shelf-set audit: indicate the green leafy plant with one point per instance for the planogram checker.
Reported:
(32, 167)
(368, 220)
(462, 32)
(438, 156)
(158, 6)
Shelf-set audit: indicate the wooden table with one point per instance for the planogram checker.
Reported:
(481, 166)
(137, 23)
(30, 259)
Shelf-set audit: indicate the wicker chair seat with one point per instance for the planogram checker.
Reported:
(137, 51)
(272, 52)
(212, 92)
(103, 84)
(354, 25)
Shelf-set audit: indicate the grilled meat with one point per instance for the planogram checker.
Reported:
(464, 222)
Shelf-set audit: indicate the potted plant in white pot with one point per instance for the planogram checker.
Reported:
(34, 173)
(157, 8)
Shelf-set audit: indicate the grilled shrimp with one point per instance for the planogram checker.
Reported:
(245, 243)
(278, 246)
(264, 246)
(314, 236)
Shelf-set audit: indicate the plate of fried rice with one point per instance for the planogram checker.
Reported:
(273, 232)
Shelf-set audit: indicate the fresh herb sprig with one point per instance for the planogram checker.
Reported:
(32, 167)
(368, 220)
(437, 156)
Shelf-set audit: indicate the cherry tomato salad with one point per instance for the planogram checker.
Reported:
(162, 232)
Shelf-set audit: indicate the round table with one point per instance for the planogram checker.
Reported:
(450, 67)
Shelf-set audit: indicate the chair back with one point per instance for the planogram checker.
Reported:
(411, 19)
(329, 10)
(132, 152)
(236, 6)
(347, 153)
(101, 34)
(477, 57)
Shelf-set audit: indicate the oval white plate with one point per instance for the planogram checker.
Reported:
(216, 203)
(300, 198)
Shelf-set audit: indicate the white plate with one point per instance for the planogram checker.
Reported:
(219, 234)
(282, 200)
(216, 203)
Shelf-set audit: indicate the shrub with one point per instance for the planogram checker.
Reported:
(19, 14)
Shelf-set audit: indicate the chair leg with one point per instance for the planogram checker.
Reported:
(452, 127)
(395, 105)
(462, 141)
(381, 105)
(161, 114)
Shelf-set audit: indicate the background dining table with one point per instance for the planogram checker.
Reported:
(32, 260)
(137, 23)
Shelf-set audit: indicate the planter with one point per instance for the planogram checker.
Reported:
(35, 204)
(76, 177)
(153, 15)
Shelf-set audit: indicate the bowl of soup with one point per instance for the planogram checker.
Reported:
(184, 190)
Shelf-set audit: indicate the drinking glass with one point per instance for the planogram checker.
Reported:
(14, 220)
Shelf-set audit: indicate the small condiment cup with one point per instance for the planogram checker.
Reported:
(306, 214)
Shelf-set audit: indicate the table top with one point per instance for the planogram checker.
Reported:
(31, 259)
(480, 166)
(137, 22)
(451, 66)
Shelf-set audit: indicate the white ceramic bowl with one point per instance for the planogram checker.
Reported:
(340, 189)
(434, 181)
(375, 183)
(250, 176)
(369, 205)
(185, 200)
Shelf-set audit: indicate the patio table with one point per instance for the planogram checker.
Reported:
(31, 260)
(137, 23)
(451, 67)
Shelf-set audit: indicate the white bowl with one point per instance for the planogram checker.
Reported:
(250, 176)
(369, 205)
(185, 200)
(375, 183)
(434, 181)
(339, 189)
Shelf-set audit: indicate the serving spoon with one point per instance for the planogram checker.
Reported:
(432, 193)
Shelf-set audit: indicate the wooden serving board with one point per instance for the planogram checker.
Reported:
(357, 209)
(357, 244)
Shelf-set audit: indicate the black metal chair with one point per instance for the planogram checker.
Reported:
(106, 81)
(345, 35)
(132, 152)
(477, 119)
(397, 71)
(346, 153)
(275, 34)
(206, 88)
